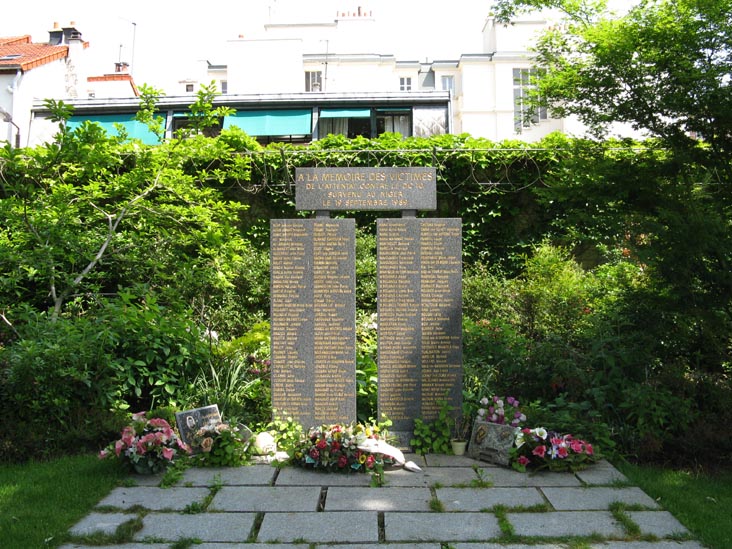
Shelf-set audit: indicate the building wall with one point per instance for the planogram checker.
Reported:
(265, 66)
(50, 81)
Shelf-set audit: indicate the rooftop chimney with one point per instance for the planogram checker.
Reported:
(58, 36)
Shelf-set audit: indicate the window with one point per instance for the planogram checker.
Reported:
(189, 88)
(350, 122)
(397, 120)
(313, 81)
(523, 113)
(448, 83)
(405, 84)
(224, 87)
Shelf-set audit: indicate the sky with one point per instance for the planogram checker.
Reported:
(160, 37)
(167, 35)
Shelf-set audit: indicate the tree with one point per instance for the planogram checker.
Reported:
(665, 68)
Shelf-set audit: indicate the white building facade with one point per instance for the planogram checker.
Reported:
(298, 82)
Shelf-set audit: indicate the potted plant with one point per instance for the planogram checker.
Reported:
(460, 432)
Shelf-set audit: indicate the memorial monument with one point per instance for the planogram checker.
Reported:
(313, 299)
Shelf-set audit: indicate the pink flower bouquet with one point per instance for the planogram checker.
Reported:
(541, 449)
(147, 445)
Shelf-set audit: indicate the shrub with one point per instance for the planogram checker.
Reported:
(237, 378)
(57, 388)
(157, 351)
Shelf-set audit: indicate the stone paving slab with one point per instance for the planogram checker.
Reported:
(602, 473)
(293, 476)
(377, 499)
(145, 480)
(658, 523)
(478, 499)
(565, 523)
(442, 460)
(507, 477)
(269, 499)
(261, 475)
(450, 476)
(218, 527)
(382, 546)
(104, 523)
(250, 546)
(441, 527)
(154, 499)
(336, 527)
(501, 546)
(122, 546)
(579, 499)
(661, 544)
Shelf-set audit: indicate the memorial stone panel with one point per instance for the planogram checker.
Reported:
(419, 279)
(365, 189)
(313, 319)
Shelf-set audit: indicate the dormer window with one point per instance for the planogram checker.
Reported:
(11, 56)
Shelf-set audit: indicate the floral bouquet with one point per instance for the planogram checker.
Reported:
(336, 448)
(147, 445)
(220, 445)
(542, 449)
(494, 411)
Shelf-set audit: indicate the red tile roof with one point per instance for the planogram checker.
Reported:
(117, 77)
(18, 52)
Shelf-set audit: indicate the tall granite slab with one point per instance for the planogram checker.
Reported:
(313, 319)
(419, 280)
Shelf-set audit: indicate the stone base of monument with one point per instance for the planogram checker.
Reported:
(491, 442)
(401, 439)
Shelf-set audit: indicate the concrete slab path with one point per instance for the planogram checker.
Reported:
(454, 503)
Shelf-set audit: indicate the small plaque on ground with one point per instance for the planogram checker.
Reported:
(190, 421)
(491, 442)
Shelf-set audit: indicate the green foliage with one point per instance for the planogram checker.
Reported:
(434, 437)
(157, 351)
(56, 387)
(286, 431)
(366, 368)
(228, 449)
(651, 68)
(237, 378)
(596, 274)
(365, 271)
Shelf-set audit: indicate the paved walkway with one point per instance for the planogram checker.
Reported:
(454, 503)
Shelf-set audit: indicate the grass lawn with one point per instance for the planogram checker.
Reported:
(40, 501)
(702, 503)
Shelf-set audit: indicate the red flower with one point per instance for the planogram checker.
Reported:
(523, 460)
(576, 446)
(562, 452)
(322, 444)
(342, 461)
(315, 454)
(588, 449)
(370, 462)
(539, 451)
(335, 446)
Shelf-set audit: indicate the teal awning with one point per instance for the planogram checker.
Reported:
(272, 122)
(134, 129)
(345, 113)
